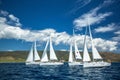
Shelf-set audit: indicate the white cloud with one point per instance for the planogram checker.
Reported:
(117, 37)
(117, 32)
(62, 37)
(107, 2)
(9, 18)
(109, 27)
(14, 32)
(7, 31)
(3, 13)
(105, 45)
(78, 5)
(14, 20)
(2, 20)
(92, 17)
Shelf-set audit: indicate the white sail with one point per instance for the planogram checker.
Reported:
(36, 56)
(30, 56)
(44, 56)
(77, 53)
(86, 56)
(95, 53)
(70, 54)
(52, 52)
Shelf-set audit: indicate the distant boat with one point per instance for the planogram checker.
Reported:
(33, 57)
(97, 60)
(52, 59)
(73, 58)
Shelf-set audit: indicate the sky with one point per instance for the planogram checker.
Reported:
(24, 21)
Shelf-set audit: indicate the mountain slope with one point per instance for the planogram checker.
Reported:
(20, 56)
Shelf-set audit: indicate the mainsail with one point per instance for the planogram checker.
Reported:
(70, 54)
(95, 53)
(86, 56)
(52, 52)
(44, 56)
(36, 56)
(30, 56)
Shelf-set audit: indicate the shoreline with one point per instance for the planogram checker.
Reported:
(24, 62)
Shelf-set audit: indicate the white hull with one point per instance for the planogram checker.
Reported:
(96, 64)
(50, 63)
(74, 63)
(32, 63)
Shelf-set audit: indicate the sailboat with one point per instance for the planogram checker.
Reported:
(52, 60)
(97, 60)
(73, 58)
(33, 56)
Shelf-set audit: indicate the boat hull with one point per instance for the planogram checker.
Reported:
(74, 63)
(95, 64)
(32, 63)
(50, 63)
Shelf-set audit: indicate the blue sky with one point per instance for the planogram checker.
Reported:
(23, 21)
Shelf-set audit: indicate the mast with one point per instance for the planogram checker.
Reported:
(52, 52)
(95, 53)
(86, 56)
(35, 56)
(44, 55)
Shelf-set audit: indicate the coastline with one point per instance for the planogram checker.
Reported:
(20, 56)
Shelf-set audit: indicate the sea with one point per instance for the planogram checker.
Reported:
(20, 71)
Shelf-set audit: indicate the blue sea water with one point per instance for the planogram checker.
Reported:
(19, 71)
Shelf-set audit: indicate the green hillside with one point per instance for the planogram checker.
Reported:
(20, 56)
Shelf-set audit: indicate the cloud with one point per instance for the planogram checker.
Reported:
(14, 20)
(108, 28)
(62, 37)
(3, 13)
(9, 19)
(107, 2)
(92, 17)
(117, 32)
(117, 37)
(79, 4)
(105, 45)
(8, 31)
(2, 20)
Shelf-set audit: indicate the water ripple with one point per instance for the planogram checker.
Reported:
(19, 71)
